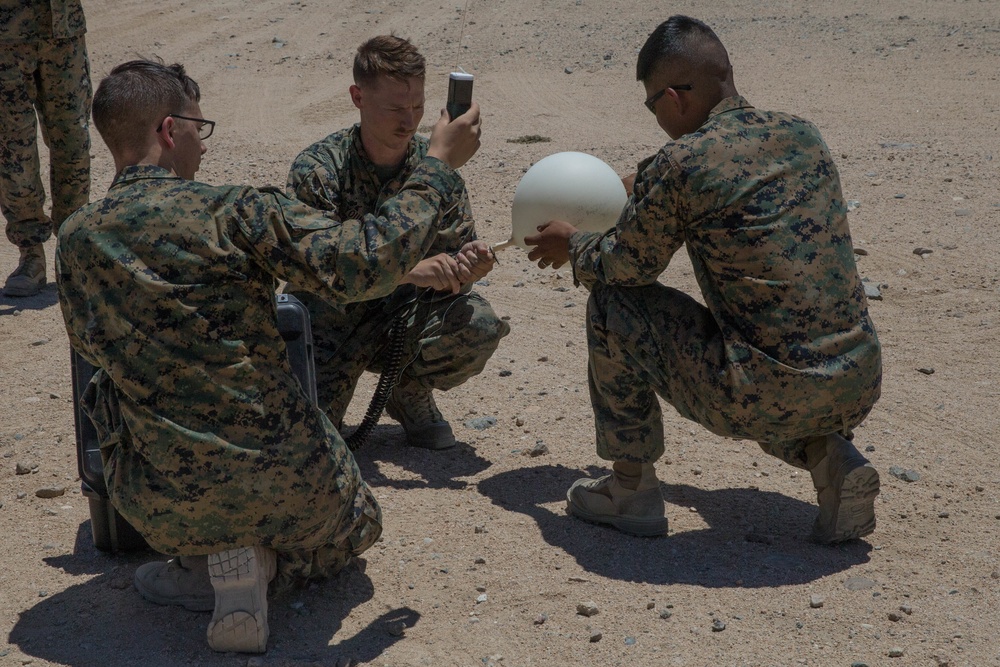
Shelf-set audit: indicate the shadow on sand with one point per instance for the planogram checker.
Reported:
(753, 539)
(105, 622)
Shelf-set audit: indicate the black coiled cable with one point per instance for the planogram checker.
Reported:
(386, 382)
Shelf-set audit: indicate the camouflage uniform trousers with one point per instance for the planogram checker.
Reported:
(309, 545)
(656, 340)
(449, 339)
(50, 78)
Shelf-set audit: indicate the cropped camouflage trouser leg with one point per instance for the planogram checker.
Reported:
(50, 78)
(449, 340)
(656, 340)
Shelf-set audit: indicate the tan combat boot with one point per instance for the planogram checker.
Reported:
(29, 277)
(182, 581)
(846, 487)
(627, 499)
(413, 406)
(240, 578)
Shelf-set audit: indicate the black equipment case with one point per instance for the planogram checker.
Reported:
(112, 532)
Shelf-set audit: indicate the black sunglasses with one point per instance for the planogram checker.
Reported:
(205, 129)
(655, 97)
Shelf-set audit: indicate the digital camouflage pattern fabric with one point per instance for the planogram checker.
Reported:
(783, 348)
(449, 338)
(44, 70)
(209, 441)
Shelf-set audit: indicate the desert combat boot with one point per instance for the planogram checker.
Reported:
(846, 487)
(413, 406)
(182, 581)
(240, 578)
(29, 277)
(631, 503)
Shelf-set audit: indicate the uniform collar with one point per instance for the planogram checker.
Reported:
(734, 103)
(140, 172)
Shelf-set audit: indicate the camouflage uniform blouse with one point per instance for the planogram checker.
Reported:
(755, 197)
(336, 174)
(168, 285)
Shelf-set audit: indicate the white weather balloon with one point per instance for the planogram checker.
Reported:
(576, 187)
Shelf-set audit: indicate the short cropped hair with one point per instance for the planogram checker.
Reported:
(670, 40)
(137, 96)
(389, 56)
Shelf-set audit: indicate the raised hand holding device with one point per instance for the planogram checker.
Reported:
(459, 93)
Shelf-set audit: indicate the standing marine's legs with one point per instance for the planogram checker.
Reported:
(22, 196)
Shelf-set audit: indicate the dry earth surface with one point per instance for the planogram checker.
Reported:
(479, 564)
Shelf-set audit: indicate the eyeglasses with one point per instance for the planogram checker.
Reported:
(205, 128)
(655, 97)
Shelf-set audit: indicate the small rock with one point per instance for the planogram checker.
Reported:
(872, 291)
(858, 583)
(596, 636)
(718, 625)
(587, 609)
(569, 70)
(895, 617)
(962, 212)
(860, 251)
(943, 515)
(665, 614)
(922, 251)
(481, 423)
(21, 495)
(54, 395)
(396, 629)
(926, 370)
(480, 529)
(540, 619)
(480, 561)
(519, 283)
(899, 195)
(540, 449)
(895, 652)
(816, 601)
(906, 609)
(481, 599)
(903, 474)
(25, 468)
(40, 341)
(630, 641)
(853, 204)
(859, 664)
(50, 492)
(650, 605)
(505, 373)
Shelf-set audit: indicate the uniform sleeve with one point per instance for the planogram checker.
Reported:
(314, 183)
(354, 260)
(647, 234)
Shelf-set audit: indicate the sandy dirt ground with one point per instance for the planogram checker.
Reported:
(479, 564)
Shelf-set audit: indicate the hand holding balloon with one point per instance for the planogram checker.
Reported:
(551, 244)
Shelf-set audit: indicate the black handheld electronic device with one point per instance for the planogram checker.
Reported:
(459, 93)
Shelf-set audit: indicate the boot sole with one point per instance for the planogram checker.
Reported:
(239, 622)
(655, 527)
(23, 291)
(855, 515)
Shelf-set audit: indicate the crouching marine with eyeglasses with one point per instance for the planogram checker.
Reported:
(782, 351)
(212, 449)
